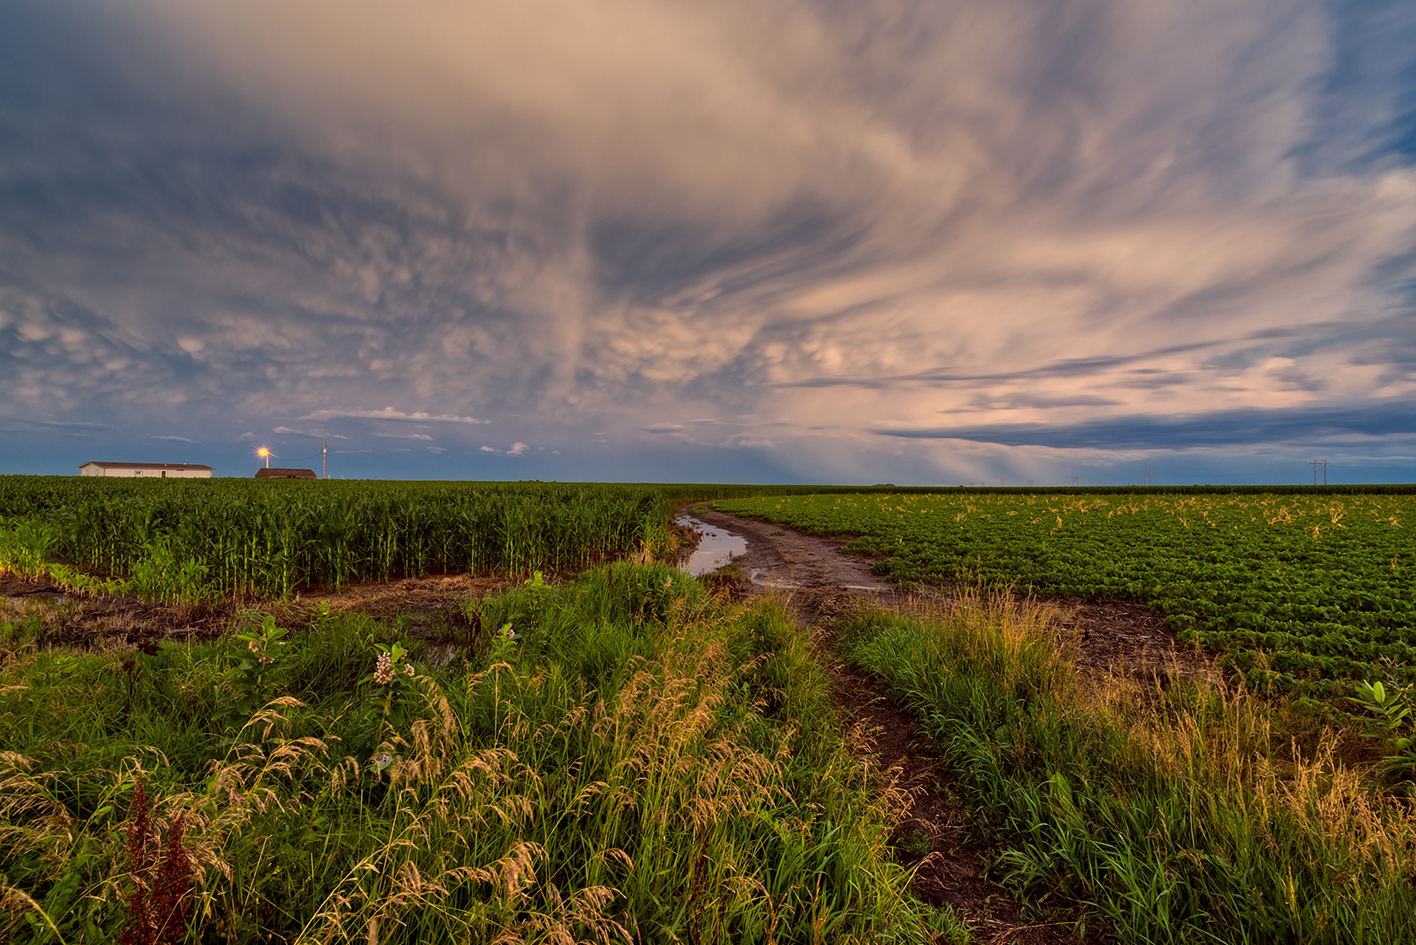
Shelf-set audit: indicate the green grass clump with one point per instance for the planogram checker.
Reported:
(623, 758)
(1177, 816)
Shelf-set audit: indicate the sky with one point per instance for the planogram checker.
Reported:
(841, 241)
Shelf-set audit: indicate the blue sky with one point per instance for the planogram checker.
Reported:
(764, 241)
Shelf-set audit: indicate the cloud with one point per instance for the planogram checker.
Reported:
(828, 225)
(517, 449)
(287, 431)
(405, 436)
(1303, 426)
(177, 439)
(388, 413)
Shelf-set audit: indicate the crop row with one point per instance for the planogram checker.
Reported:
(1301, 591)
(274, 538)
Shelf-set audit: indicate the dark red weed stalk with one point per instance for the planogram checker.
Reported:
(158, 909)
(139, 930)
(170, 903)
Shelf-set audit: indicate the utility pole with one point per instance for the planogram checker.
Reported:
(1146, 476)
(1074, 482)
(1315, 464)
(325, 458)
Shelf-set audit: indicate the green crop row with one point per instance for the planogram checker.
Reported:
(275, 538)
(1303, 592)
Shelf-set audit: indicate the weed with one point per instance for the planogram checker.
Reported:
(159, 907)
(1394, 711)
(252, 679)
(914, 843)
(394, 679)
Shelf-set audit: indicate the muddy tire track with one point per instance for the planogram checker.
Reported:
(937, 837)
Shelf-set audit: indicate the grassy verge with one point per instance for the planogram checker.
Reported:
(624, 758)
(1178, 816)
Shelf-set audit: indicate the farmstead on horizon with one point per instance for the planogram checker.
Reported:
(158, 470)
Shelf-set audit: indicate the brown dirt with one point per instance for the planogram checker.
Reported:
(105, 622)
(426, 602)
(429, 605)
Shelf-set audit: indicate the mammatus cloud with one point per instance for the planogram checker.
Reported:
(943, 239)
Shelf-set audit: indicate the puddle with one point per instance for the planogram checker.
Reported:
(716, 547)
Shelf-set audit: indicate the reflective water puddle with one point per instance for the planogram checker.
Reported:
(716, 547)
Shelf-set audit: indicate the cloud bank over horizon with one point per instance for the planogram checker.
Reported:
(790, 241)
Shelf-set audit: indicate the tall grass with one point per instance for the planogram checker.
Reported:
(1179, 816)
(628, 760)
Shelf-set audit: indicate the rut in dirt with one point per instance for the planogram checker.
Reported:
(936, 838)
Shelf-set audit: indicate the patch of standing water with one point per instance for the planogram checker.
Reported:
(716, 547)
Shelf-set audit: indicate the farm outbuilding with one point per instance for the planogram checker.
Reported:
(152, 470)
(275, 473)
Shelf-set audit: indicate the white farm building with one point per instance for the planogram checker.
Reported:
(152, 470)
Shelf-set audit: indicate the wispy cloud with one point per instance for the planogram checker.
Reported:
(287, 431)
(823, 235)
(405, 436)
(388, 413)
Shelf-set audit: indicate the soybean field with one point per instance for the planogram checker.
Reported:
(1301, 593)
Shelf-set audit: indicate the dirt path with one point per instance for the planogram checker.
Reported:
(936, 837)
(1109, 636)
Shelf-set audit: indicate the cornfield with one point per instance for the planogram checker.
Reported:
(276, 538)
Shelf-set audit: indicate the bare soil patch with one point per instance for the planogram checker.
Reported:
(431, 606)
(106, 621)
